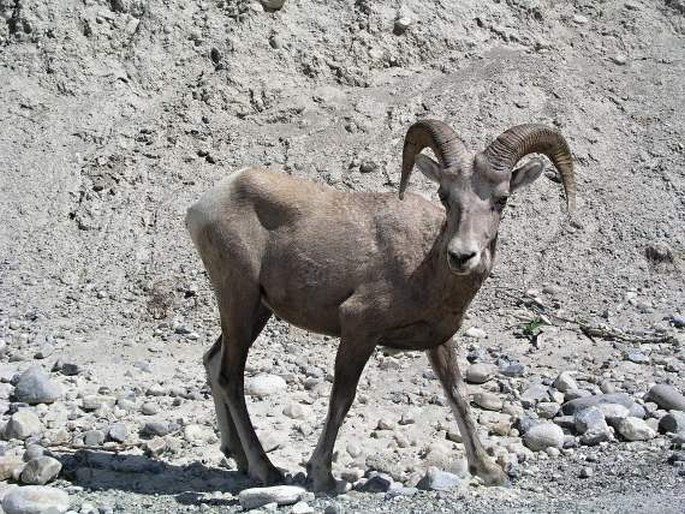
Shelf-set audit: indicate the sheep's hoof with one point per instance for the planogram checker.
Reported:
(267, 475)
(492, 475)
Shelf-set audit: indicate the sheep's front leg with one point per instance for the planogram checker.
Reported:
(349, 364)
(444, 361)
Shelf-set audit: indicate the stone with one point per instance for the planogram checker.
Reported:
(265, 385)
(40, 471)
(488, 401)
(635, 429)
(637, 357)
(438, 480)
(158, 428)
(149, 409)
(544, 435)
(480, 373)
(198, 434)
(353, 450)
(547, 410)
(117, 432)
(256, 497)
(9, 465)
(93, 437)
(565, 382)
(400, 491)
(592, 426)
(155, 446)
(378, 483)
(475, 333)
(272, 5)
(402, 23)
(95, 401)
(613, 413)
(35, 499)
(33, 451)
(586, 472)
(295, 410)
(667, 397)
(301, 507)
(34, 387)
(572, 406)
(534, 394)
(23, 424)
(673, 422)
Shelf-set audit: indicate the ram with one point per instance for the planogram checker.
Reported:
(370, 268)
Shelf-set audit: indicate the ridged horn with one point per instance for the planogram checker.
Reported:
(445, 143)
(517, 142)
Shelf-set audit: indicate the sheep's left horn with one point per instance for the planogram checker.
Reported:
(517, 142)
(444, 142)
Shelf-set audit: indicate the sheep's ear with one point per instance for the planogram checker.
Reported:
(428, 167)
(526, 174)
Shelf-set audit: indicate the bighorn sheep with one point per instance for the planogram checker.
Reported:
(367, 267)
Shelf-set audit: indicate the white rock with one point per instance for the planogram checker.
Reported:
(295, 410)
(544, 435)
(35, 499)
(34, 386)
(565, 382)
(265, 385)
(480, 373)
(301, 508)
(41, 470)
(476, 333)
(635, 429)
(23, 424)
(260, 496)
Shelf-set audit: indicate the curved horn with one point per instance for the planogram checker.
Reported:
(444, 142)
(517, 142)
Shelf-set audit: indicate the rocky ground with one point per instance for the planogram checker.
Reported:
(117, 114)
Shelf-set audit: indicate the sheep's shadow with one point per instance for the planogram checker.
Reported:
(100, 471)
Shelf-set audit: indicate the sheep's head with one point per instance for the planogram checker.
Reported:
(474, 189)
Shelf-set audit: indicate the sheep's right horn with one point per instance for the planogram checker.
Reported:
(445, 143)
(521, 140)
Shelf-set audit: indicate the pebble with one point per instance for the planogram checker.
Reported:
(586, 472)
(635, 429)
(570, 407)
(35, 499)
(637, 357)
(543, 435)
(33, 451)
(401, 25)
(259, 496)
(534, 394)
(619, 59)
(334, 508)
(667, 397)
(379, 483)
(95, 401)
(548, 410)
(488, 401)
(475, 333)
(565, 382)
(438, 480)
(295, 410)
(480, 373)
(158, 428)
(40, 471)
(592, 426)
(149, 409)
(34, 387)
(673, 422)
(613, 413)
(273, 5)
(301, 508)
(265, 385)
(117, 432)
(23, 424)
(93, 438)
(155, 446)
(9, 465)
(515, 369)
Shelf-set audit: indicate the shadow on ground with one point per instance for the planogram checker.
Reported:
(100, 471)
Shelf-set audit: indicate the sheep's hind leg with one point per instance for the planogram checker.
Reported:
(230, 442)
(444, 361)
(242, 319)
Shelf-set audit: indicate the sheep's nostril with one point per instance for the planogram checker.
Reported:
(460, 259)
